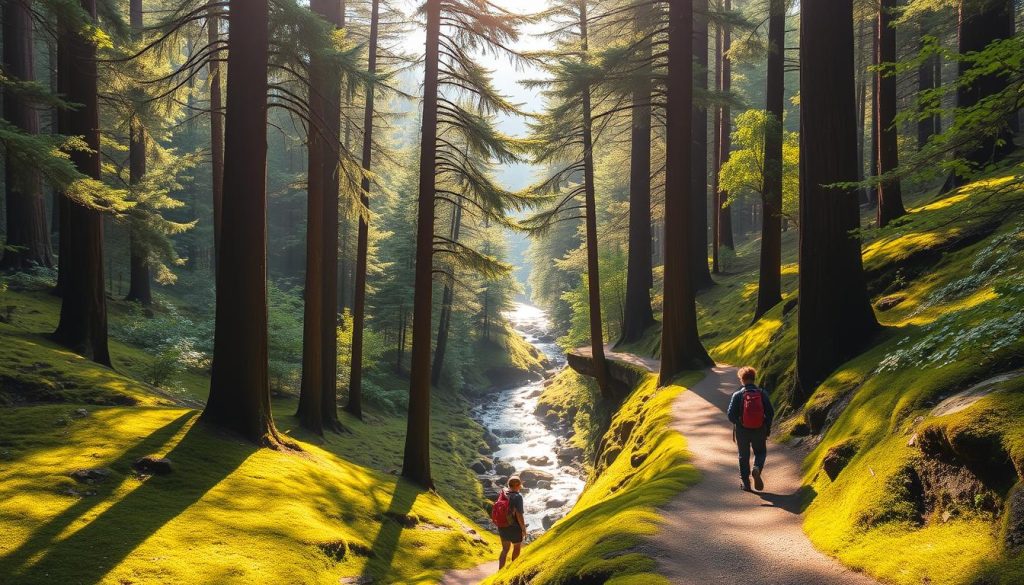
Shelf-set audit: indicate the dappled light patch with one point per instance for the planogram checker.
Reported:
(250, 510)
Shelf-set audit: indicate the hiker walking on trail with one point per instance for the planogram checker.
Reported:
(507, 515)
(751, 413)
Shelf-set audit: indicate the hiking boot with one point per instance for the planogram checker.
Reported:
(758, 482)
(745, 486)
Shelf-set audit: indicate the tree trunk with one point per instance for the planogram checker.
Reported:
(681, 348)
(216, 130)
(835, 318)
(638, 315)
(862, 108)
(593, 253)
(334, 12)
(27, 232)
(701, 277)
(723, 211)
(239, 386)
(311, 401)
(416, 463)
(716, 152)
(873, 157)
(355, 384)
(769, 286)
(981, 23)
(83, 312)
(890, 199)
(139, 282)
(446, 306)
(926, 80)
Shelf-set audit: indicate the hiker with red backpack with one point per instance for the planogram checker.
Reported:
(507, 515)
(751, 412)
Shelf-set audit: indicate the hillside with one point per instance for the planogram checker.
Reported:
(916, 445)
(75, 506)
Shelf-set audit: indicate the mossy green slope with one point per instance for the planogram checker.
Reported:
(644, 466)
(946, 282)
(228, 512)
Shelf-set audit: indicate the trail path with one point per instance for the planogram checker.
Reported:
(714, 533)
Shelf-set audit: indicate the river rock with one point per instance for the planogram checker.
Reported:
(569, 454)
(535, 394)
(530, 477)
(548, 521)
(555, 503)
(504, 468)
(482, 465)
(491, 440)
(543, 485)
(540, 460)
(151, 465)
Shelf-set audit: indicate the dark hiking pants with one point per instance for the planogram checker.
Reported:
(747, 440)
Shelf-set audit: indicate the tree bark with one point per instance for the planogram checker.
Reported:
(890, 199)
(701, 276)
(416, 463)
(638, 315)
(355, 385)
(139, 281)
(681, 348)
(446, 306)
(334, 12)
(769, 286)
(27, 231)
(216, 130)
(311, 401)
(83, 313)
(239, 386)
(982, 22)
(873, 158)
(593, 253)
(835, 317)
(716, 152)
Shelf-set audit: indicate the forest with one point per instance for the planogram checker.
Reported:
(294, 291)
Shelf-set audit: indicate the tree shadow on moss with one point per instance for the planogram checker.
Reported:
(92, 551)
(393, 521)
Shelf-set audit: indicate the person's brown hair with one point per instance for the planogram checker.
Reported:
(747, 374)
(514, 481)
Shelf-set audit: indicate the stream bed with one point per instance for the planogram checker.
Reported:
(525, 444)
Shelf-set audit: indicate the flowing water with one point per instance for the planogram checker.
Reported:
(525, 442)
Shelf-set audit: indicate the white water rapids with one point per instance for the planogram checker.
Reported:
(522, 435)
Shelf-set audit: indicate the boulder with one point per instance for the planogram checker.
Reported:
(530, 477)
(541, 460)
(543, 485)
(555, 503)
(548, 521)
(90, 476)
(569, 454)
(152, 465)
(504, 468)
(491, 440)
(482, 465)
(838, 457)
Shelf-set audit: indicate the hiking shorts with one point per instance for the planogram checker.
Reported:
(513, 534)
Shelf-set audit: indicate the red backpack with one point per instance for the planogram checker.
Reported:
(500, 511)
(753, 409)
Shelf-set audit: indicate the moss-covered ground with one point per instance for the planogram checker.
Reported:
(643, 465)
(333, 512)
(947, 285)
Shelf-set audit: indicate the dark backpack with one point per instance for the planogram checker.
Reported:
(500, 512)
(753, 409)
